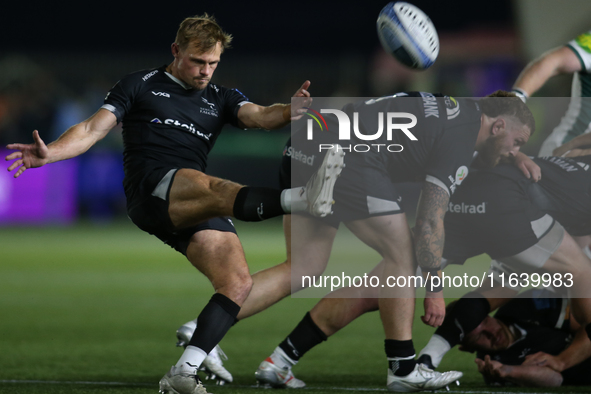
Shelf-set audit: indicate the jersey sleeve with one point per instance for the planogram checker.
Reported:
(121, 96)
(451, 157)
(582, 48)
(234, 99)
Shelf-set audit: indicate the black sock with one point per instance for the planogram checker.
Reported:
(304, 337)
(254, 204)
(401, 356)
(214, 321)
(463, 318)
(588, 330)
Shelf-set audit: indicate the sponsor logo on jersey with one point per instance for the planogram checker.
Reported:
(189, 127)
(584, 41)
(452, 107)
(568, 166)
(299, 156)
(430, 105)
(155, 120)
(149, 75)
(461, 174)
(161, 94)
(467, 208)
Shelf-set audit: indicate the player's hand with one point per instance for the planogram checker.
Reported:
(529, 168)
(297, 109)
(28, 155)
(542, 359)
(490, 369)
(434, 309)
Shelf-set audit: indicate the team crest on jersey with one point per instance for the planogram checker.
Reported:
(211, 110)
(452, 107)
(584, 41)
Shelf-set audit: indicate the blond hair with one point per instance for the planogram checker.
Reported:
(203, 31)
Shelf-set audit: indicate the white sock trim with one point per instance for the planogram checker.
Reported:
(191, 358)
(436, 348)
(401, 358)
(294, 200)
(281, 359)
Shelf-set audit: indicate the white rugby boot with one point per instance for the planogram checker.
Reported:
(213, 366)
(421, 379)
(181, 381)
(320, 187)
(270, 375)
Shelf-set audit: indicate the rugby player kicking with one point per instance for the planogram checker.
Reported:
(172, 116)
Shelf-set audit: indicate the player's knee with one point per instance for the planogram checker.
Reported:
(237, 287)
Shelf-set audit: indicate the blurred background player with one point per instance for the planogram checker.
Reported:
(572, 58)
(172, 117)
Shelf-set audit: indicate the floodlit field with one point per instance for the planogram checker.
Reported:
(93, 309)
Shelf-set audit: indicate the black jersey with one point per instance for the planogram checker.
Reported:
(563, 192)
(445, 132)
(168, 123)
(541, 321)
(493, 211)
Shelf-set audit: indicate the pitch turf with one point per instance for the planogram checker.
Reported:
(93, 309)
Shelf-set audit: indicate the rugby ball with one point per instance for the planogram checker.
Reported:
(408, 34)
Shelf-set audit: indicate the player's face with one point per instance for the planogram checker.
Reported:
(492, 335)
(194, 66)
(503, 144)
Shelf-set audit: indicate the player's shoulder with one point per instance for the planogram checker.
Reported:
(141, 77)
(220, 92)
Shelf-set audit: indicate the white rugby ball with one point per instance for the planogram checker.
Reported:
(408, 34)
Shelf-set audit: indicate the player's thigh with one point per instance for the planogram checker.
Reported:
(195, 196)
(311, 242)
(569, 258)
(389, 235)
(287, 235)
(220, 257)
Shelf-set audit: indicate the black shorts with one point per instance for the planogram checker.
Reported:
(364, 188)
(147, 207)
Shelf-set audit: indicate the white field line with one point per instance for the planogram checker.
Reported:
(131, 384)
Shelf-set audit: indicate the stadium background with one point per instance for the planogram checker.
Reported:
(84, 296)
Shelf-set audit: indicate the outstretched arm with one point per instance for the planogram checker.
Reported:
(274, 116)
(561, 60)
(73, 142)
(522, 375)
(429, 239)
(572, 147)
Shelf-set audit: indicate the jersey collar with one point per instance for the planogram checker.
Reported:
(175, 79)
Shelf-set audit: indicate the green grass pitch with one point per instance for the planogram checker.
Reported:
(93, 309)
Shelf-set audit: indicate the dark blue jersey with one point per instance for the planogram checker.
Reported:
(494, 211)
(446, 130)
(167, 123)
